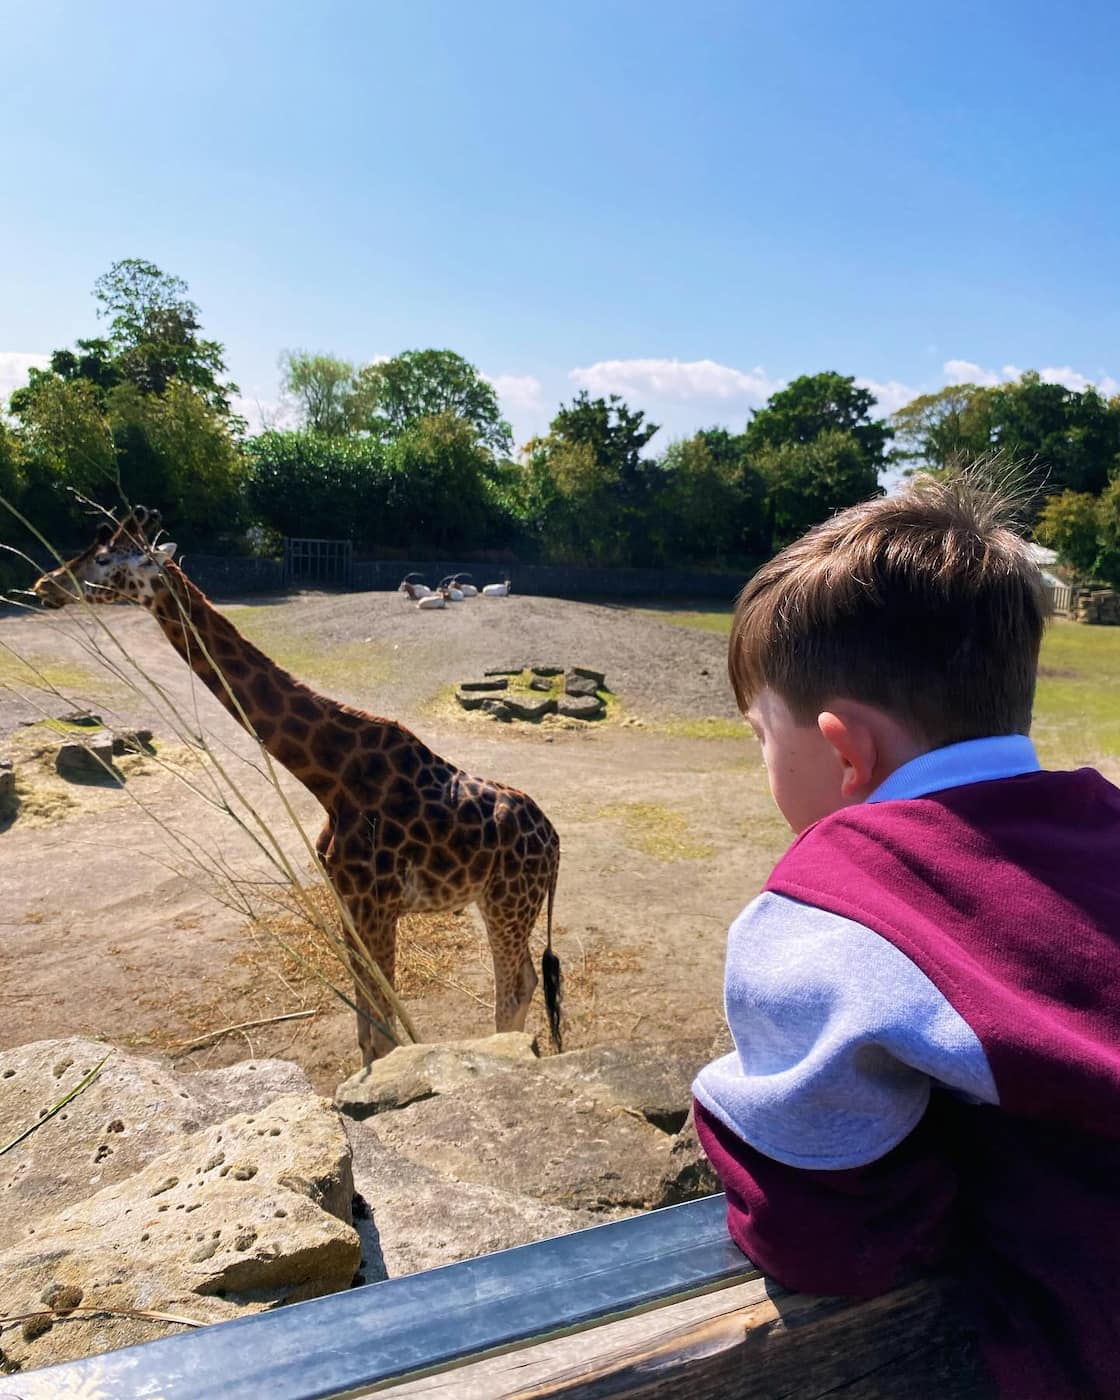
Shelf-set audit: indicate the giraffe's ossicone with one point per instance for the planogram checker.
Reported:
(406, 830)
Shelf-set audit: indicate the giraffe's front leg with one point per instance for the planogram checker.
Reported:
(376, 1023)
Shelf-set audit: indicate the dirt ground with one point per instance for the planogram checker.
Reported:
(111, 926)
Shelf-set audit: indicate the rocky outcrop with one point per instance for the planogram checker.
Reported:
(207, 1195)
(152, 1195)
(592, 1131)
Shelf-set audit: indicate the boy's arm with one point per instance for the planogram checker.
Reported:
(838, 1165)
(856, 1232)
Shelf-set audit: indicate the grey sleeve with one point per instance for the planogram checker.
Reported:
(839, 1038)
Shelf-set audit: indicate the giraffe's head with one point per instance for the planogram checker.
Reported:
(122, 565)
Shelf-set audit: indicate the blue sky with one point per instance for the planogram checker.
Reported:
(688, 204)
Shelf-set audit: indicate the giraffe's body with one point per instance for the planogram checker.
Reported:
(406, 830)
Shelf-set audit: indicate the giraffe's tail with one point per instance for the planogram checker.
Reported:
(551, 976)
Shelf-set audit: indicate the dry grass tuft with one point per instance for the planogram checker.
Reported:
(658, 831)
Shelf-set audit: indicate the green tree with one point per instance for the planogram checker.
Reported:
(323, 387)
(303, 483)
(594, 484)
(137, 415)
(393, 394)
(806, 482)
(815, 404)
(945, 429)
(1065, 439)
(438, 493)
(154, 332)
(1085, 531)
(708, 503)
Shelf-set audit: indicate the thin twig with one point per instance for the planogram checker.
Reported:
(63, 1313)
(244, 1026)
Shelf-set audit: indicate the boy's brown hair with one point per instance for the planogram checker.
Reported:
(924, 604)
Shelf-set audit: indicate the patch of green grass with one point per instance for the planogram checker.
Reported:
(717, 620)
(66, 728)
(16, 672)
(1077, 704)
(657, 831)
(708, 727)
(306, 654)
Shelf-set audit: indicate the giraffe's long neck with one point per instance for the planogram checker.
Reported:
(305, 732)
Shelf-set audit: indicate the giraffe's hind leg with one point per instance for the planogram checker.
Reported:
(509, 915)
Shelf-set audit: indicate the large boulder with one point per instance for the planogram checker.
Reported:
(592, 1131)
(250, 1213)
(132, 1112)
(414, 1216)
(414, 1072)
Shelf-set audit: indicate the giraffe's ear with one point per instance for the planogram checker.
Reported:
(166, 551)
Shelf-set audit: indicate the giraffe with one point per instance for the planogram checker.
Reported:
(406, 831)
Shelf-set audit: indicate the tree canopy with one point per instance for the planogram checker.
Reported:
(391, 395)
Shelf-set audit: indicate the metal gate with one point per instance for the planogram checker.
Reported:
(318, 561)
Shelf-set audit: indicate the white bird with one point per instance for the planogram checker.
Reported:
(497, 590)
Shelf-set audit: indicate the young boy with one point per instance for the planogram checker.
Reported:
(925, 999)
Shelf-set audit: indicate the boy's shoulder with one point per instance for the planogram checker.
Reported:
(1001, 821)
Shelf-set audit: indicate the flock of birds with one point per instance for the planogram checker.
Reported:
(453, 589)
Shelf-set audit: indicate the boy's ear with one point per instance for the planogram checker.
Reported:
(855, 745)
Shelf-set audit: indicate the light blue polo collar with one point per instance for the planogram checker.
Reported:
(974, 761)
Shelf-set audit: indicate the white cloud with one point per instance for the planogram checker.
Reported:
(676, 379)
(14, 365)
(263, 414)
(521, 391)
(966, 371)
(891, 396)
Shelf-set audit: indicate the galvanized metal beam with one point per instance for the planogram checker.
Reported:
(371, 1337)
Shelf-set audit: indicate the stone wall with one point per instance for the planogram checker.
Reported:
(1099, 606)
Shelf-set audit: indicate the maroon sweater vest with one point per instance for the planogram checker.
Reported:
(1007, 895)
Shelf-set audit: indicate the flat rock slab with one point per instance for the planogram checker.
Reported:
(504, 671)
(581, 707)
(549, 1140)
(547, 670)
(95, 756)
(419, 1219)
(579, 685)
(497, 709)
(529, 706)
(592, 1130)
(132, 1112)
(653, 1080)
(251, 1213)
(599, 677)
(491, 683)
(540, 683)
(414, 1072)
(472, 699)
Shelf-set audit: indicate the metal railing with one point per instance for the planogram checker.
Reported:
(373, 1337)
